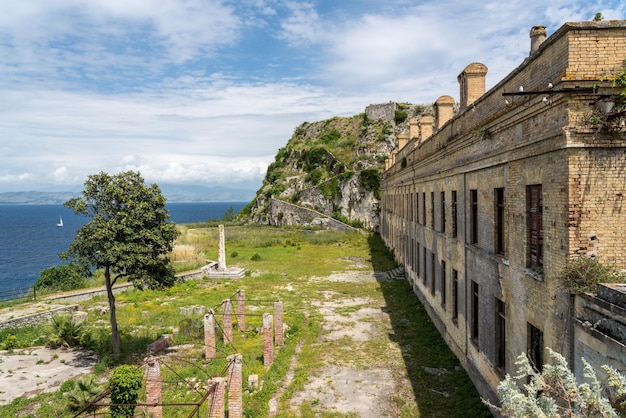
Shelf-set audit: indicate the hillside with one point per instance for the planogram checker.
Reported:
(333, 167)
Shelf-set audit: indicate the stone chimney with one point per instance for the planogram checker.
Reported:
(472, 82)
(426, 127)
(444, 110)
(537, 36)
(402, 140)
(413, 128)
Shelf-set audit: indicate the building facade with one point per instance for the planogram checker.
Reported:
(485, 205)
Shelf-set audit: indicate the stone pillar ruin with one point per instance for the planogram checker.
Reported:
(241, 310)
(279, 334)
(221, 258)
(228, 321)
(209, 336)
(268, 340)
(235, 387)
(153, 387)
(216, 399)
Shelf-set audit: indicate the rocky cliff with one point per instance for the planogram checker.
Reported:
(333, 167)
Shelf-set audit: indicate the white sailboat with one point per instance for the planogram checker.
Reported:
(60, 221)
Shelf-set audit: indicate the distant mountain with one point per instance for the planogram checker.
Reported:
(194, 193)
(173, 193)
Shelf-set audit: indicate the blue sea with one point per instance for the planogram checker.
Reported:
(31, 241)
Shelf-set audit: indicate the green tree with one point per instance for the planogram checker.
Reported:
(129, 235)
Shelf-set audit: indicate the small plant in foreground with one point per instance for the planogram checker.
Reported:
(555, 393)
(125, 382)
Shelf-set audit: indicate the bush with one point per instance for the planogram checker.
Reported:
(554, 392)
(65, 332)
(583, 274)
(61, 278)
(314, 176)
(370, 180)
(80, 392)
(400, 116)
(125, 384)
(255, 257)
(330, 137)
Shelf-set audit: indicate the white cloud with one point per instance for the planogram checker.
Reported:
(209, 90)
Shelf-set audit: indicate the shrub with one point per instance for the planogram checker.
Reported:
(583, 274)
(400, 115)
(314, 176)
(81, 392)
(9, 343)
(330, 137)
(554, 392)
(370, 180)
(125, 384)
(61, 278)
(255, 257)
(65, 332)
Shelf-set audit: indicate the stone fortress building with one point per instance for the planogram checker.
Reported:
(486, 204)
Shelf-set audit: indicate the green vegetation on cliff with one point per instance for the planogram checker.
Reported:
(334, 166)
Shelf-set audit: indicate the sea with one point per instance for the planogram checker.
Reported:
(31, 238)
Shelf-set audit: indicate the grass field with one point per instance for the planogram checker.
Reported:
(280, 264)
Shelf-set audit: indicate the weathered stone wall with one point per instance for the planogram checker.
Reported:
(600, 329)
(36, 318)
(511, 142)
(385, 111)
(284, 213)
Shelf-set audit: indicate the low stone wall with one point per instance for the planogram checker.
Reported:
(36, 318)
(87, 294)
(600, 329)
(284, 213)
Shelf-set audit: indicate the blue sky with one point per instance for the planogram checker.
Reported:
(206, 91)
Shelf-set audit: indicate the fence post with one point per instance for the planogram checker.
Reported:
(241, 310)
(209, 336)
(216, 401)
(153, 387)
(235, 387)
(268, 340)
(228, 321)
(279, 333)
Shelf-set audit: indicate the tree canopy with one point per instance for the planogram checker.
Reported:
(129, 234)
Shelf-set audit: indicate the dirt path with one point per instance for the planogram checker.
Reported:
(355, 380)
(28, 372)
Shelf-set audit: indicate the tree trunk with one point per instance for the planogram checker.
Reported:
(115, 334)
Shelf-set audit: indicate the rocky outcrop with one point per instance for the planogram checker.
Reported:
(333, 167)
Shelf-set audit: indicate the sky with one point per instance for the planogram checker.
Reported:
(205, 92)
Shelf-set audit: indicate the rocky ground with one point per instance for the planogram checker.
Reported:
(356, 380)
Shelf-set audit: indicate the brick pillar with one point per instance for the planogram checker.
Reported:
(228, 321)
(153, 387)
(235, 387)
(241, 310)
(268, 340)
(216, 399)
(209, 335)
(279, 335)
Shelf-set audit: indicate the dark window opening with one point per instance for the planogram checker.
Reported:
(473, 216)
(499, 221)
